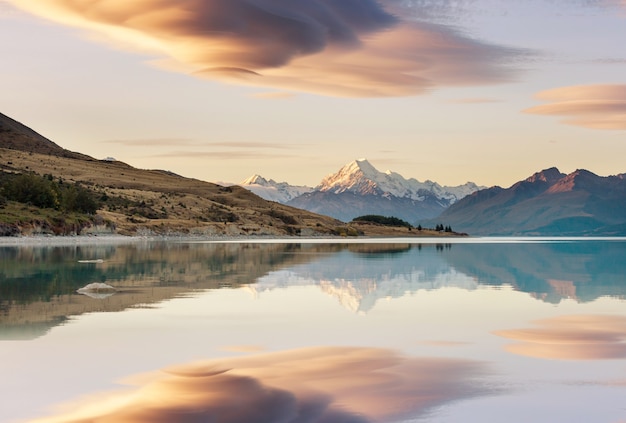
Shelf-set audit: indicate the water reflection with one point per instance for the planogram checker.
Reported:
(593, 337)
(456, 318)
(324, 385)
(38, 284)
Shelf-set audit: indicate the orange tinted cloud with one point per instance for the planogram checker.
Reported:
(593, 337)
(355, 48)
(590, 106)
(351, 385)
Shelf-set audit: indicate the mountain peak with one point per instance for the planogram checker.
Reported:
(359, 165)
(357, 176)
(580, 179)
(361, 178)
(255, 180)
(271, 190)
(550, 176)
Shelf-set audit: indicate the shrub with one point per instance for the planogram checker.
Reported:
(383, 220)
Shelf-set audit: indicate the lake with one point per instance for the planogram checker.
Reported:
(354, 331)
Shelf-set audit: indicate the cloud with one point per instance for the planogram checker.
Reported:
(353, 48)
(324, 385)
(151, 142)
(590, 106)
(166, 142)
(593, 337)
(6, 9)
(225, 155)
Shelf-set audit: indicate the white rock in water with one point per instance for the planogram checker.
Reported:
(97, 290)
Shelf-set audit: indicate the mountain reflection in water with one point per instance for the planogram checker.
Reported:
(469, 330)
(38, 284)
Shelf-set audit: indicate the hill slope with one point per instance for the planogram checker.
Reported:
(134, 201)
(547, 203)
(16, 136)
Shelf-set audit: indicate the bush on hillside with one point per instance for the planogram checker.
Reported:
(44, 192)
(383, 220)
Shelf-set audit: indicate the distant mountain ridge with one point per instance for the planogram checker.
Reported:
(358, 188)
(362, 178)
(271, 190)
(547, 203)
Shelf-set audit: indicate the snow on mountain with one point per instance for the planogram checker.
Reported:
(271, 190)
(360, 177)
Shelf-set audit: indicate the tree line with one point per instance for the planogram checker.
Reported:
(394, 221)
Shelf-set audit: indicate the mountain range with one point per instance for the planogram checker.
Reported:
(358, 188)
(281, 192)
(547, 203)
(136, 201)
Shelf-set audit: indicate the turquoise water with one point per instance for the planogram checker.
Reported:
(512, 330)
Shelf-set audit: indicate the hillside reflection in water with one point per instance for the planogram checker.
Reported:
(313, 332)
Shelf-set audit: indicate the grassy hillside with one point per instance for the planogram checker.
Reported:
(134, 201)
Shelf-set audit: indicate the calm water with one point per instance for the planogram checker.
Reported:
(470, 331)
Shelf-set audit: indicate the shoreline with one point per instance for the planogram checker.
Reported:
(56, 240)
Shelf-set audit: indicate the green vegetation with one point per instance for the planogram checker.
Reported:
(45, 205)
(46, 193)
(383, 220)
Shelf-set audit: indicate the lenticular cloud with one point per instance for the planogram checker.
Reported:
(355, 48)
(589, 106)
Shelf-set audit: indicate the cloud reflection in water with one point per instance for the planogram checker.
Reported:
(323, 385)
(579, 337)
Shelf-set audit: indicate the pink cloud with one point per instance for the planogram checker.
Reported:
(590, 106)
(354, 48)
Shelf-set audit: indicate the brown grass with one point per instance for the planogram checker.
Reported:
(161, 202)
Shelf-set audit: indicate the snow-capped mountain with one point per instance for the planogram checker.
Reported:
(358, 188)
(280, 192)
(360, 177)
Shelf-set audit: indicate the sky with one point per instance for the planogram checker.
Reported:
(488, 91)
